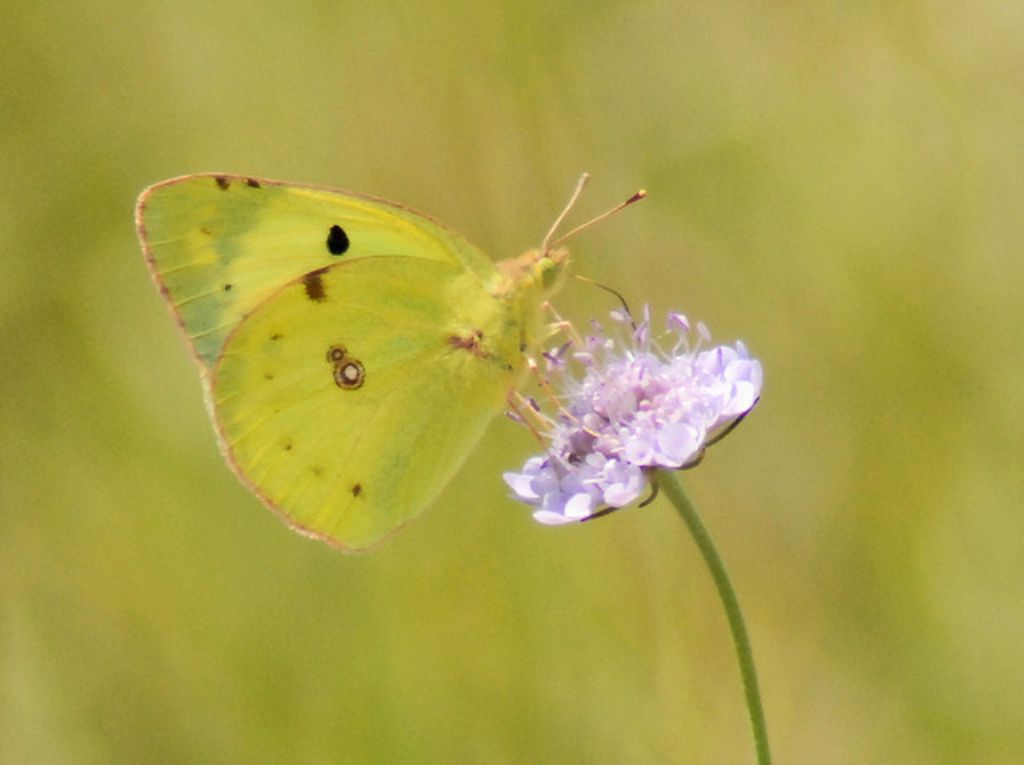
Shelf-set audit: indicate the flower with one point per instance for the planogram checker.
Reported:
(637, 408)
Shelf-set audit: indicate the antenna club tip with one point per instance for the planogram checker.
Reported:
(635, 198)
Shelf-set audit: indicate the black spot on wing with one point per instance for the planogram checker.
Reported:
(314, 284)
(222, 182)
(337, 240)
(252, 183)
(357, 489)
(227, 287)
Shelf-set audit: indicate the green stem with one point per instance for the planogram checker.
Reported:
(669, 483)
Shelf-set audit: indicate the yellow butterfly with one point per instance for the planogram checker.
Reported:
(352, 350)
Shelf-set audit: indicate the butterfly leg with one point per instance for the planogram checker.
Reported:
(527, 411)
(558, 324)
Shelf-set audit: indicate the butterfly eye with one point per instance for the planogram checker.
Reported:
(550, 270)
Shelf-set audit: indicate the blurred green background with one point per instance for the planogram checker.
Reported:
(838, 184)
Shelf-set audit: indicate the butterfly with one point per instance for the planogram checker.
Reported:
(352, 350)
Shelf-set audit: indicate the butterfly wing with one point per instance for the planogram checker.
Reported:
(353, 351)
(219, 245)
(350, 397)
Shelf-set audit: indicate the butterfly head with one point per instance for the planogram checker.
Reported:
(536, 275)
(545, 266)
(540, 273)
(548, 269)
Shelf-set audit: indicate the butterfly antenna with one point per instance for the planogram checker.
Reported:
(594, 221)
(546, 244)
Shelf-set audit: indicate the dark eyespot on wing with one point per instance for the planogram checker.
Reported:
(227, 287)
(314, 284)
(276, 336)
(337, 240)
(349, 374)
(357, 489)
(252, 183)
(222, 182)
(287, 446)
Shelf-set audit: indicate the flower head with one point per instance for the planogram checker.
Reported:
(636, 408)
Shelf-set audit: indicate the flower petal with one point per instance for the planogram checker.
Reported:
(635, 407)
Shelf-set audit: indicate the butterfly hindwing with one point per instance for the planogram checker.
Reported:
(348, 398)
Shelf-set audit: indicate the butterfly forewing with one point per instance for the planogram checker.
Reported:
(219, 245)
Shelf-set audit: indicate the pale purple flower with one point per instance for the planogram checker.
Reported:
(636, 408)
